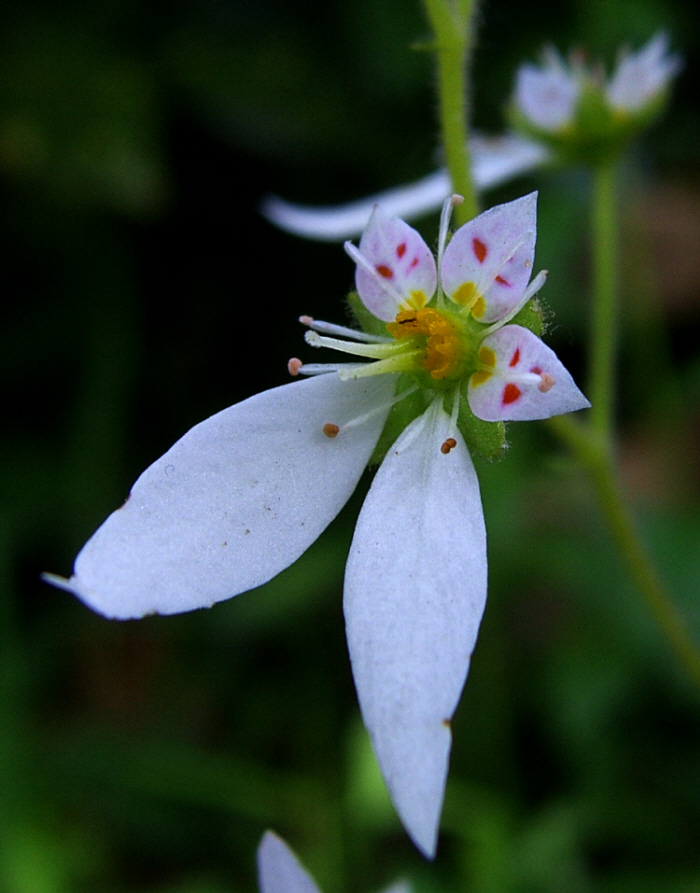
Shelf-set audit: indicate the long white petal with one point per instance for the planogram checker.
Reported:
(235, 501)
(279, 870)
(494, 161)
(415, 589)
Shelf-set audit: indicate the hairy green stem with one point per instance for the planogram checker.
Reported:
(604, 322)
(451, 23)
(594, 455)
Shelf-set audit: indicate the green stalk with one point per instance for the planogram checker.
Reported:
(595, 457)
(604, 322)
(451, 23)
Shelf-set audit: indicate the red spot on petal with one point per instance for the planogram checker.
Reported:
(511, 392)
(414, 263)
(515, 359)
(501, 281)
(480, 250)
(536, 370)
(384, 271)
(401, 250)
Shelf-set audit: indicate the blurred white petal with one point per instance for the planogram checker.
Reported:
(415, 589)
(495, 160)
(279, 870)
(334, 223)
(641, 76)
(547, 96)
(399, 887)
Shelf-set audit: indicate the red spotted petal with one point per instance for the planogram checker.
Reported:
(489, 260)
(528, 381)
(404, 267)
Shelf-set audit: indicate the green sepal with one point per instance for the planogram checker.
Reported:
(367, 321)
(484, 439)
(400, 416)
(530, 317)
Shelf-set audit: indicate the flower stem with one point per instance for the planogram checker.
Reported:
(451, 23)
(595, 456)
(604, 322)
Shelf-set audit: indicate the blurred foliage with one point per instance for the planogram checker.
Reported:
(142, 292)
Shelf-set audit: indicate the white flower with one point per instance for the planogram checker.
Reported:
(244, 493)
(279, 870)
(548, 96)
(495, 160)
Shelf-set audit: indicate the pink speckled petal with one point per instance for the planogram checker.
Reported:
(494, 252)
(529, 381)
(404, 265)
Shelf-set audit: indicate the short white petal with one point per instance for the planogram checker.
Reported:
(494, 253)
(397, 270)
(515, 391)
(279, 870)
(415, 589)
(235, 501)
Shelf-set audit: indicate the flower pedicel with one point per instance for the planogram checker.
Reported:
(244, 493)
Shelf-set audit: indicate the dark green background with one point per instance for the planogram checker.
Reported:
(136, 141)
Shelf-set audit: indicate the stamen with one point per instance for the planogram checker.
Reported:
(329, 328)
(451, 443)
(454, 415)
(325, 368)
(294, 365)
(331, 430)
(403, 362)
(397, 398)
(445, 215)
(529, 292)
(375, 351)
(362, 261)
(527, 378)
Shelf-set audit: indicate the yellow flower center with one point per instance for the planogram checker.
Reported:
(444, 343)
